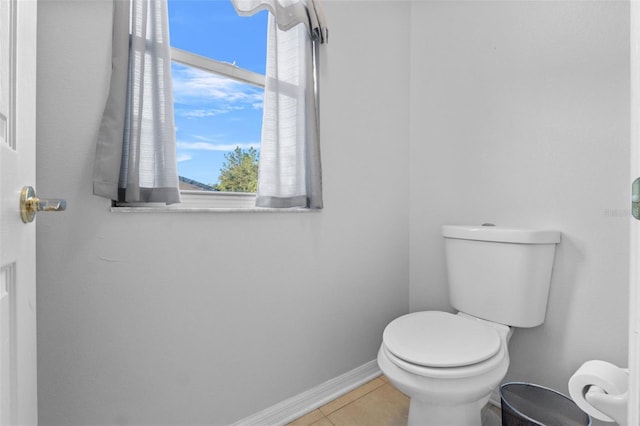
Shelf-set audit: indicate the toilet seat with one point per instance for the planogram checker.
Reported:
(449, 373)
(435, 339)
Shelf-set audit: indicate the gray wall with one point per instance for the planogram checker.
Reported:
(520, 116)
(438, 112)
(208, 318)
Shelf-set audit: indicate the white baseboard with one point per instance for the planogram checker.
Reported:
(301, 404)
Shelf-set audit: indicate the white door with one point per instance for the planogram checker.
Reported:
(18, 391)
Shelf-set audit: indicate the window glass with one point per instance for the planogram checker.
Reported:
(215, 114)
(212, 28)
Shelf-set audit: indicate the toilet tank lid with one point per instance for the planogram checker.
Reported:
(501, 234)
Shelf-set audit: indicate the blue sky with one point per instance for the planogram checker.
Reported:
(213, 114)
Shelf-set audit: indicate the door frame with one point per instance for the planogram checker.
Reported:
(633, 412)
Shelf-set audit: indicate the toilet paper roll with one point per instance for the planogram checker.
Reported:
(612, 379)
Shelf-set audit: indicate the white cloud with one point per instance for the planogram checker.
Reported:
(208, 146)
(210, 138)
(191, 84)
(183, 157)
(199, 113)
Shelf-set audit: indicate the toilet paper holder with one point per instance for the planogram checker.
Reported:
(600, 389)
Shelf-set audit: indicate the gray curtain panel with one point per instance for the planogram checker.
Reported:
(136, 147)
(290, 169)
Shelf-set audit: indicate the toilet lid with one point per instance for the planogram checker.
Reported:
(440, 339)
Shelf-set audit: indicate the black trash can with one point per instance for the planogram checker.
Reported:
(525, 404)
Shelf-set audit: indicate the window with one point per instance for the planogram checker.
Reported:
(210, 86)
(218, 68)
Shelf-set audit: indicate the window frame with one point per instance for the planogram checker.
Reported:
(224, 69)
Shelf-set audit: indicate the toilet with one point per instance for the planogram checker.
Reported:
(449, 364)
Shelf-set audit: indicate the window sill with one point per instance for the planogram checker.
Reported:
(206, 202)
(169, 209)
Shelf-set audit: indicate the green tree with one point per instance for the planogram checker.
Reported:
(239, 172)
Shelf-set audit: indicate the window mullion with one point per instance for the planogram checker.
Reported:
(211, 65)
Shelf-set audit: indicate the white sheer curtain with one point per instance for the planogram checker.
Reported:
(136, 147)
(289, 171)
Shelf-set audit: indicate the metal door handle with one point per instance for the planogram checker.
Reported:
(30, 204)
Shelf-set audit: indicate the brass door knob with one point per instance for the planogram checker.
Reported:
(30, 204)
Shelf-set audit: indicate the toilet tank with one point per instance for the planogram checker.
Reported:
(500, 274)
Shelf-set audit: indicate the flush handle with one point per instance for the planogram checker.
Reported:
(30, 204)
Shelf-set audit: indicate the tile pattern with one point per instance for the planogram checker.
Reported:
(376, 403)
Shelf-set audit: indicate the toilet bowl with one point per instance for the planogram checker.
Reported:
(449, 384)
(449, 364)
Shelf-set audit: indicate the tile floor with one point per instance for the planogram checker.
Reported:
(376, 403)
